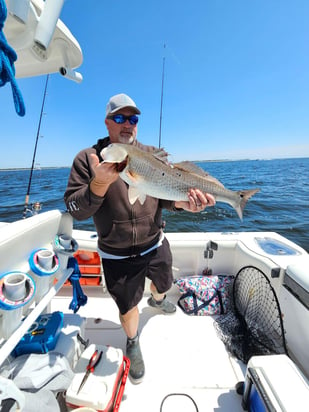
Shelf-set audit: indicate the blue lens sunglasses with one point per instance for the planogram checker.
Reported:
(121, 118)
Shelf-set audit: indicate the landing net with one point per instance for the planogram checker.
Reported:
(254, 324)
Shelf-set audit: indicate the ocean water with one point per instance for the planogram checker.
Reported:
(282, 205)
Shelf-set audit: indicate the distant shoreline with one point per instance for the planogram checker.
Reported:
(36, 168)
(193, 161)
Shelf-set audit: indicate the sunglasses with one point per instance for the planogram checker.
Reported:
(121, 118)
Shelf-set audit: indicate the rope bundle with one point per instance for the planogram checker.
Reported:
(7, 70)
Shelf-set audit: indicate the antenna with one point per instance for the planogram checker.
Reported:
(162, 88)
(34, 152)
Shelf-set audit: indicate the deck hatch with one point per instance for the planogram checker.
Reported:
(275, 247)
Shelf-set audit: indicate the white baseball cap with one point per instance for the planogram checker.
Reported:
(119, 101)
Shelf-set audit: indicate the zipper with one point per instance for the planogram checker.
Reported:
(134, 232)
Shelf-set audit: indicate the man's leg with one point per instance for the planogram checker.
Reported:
(161, 276)
(159, 301)
(156, 295)
(129, 322)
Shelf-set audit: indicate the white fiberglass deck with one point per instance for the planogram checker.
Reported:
(182, 354)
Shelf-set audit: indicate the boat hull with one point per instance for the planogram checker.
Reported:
(194, 359)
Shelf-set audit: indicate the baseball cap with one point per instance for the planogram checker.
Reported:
(119, 101)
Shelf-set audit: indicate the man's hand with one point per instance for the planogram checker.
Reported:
(197, 201)
(104, 175)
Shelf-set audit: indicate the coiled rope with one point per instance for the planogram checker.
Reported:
(7, 70)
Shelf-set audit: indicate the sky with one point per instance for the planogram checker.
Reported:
(236, 81)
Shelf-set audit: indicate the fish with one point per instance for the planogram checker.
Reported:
(150, 174)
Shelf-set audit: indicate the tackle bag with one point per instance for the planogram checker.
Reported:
(204, 295)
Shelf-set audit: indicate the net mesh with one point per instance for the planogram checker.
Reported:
(254, 324)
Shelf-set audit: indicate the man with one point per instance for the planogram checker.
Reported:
(130, 237)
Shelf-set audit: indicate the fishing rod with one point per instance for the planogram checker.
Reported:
(36, 206)
(162, 88)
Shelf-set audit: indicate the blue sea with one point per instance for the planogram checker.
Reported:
(282, 205)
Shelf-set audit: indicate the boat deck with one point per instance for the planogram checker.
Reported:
(182, 354)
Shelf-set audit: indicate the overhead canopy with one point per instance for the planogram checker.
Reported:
(42, 41)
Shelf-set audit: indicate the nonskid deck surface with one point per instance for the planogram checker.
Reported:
(182, 355)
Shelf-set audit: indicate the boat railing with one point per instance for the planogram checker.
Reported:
(20, 242)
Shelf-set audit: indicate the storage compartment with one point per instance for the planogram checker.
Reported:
(296, 280)
(42, 336)
(274, 383)
(90, 267)
(294, 302)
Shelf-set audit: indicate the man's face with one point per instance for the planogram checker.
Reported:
(124, 132)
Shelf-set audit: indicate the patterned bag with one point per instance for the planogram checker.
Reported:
(204, 295)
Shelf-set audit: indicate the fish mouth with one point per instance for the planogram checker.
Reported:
(115, 153)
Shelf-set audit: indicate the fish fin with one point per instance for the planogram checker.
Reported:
(190, 167)
(245, 196)
(133, 177)
(134, 194)
(213, 180)
(160, 154)
(142, 198)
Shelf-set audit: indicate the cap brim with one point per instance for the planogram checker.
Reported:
(134, 108)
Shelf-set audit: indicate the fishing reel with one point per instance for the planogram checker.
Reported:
(36, 207)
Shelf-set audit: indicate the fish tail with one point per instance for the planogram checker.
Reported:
(244, 196)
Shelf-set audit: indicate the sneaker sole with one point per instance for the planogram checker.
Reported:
(135, 381)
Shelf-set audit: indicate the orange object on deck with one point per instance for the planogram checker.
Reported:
(88, 262)
(90, 267)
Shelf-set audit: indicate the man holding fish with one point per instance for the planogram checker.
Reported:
(131, 241)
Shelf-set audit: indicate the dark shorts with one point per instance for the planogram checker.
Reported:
(125, 278)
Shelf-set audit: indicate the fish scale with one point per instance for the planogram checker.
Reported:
(168, 182)
(149, 174)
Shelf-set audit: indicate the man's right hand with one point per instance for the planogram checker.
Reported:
(104, 175)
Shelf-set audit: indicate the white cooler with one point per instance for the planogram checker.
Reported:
(104, 387)
(274, 383)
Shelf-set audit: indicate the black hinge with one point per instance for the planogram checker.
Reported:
(275, 273)
(209, 251)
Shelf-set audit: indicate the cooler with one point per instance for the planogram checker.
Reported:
(274, 384)
(104, 387)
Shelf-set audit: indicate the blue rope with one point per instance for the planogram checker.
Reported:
(7, 70)
(79, 298)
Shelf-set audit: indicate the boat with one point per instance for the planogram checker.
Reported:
(192, 362)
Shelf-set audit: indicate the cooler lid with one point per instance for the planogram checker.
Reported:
(300, 274)
(296, 280)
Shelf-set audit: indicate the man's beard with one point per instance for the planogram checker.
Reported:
(126, 140)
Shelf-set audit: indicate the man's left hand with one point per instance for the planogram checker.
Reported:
(197, 201)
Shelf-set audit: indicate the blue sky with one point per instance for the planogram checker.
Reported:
(236, 81)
